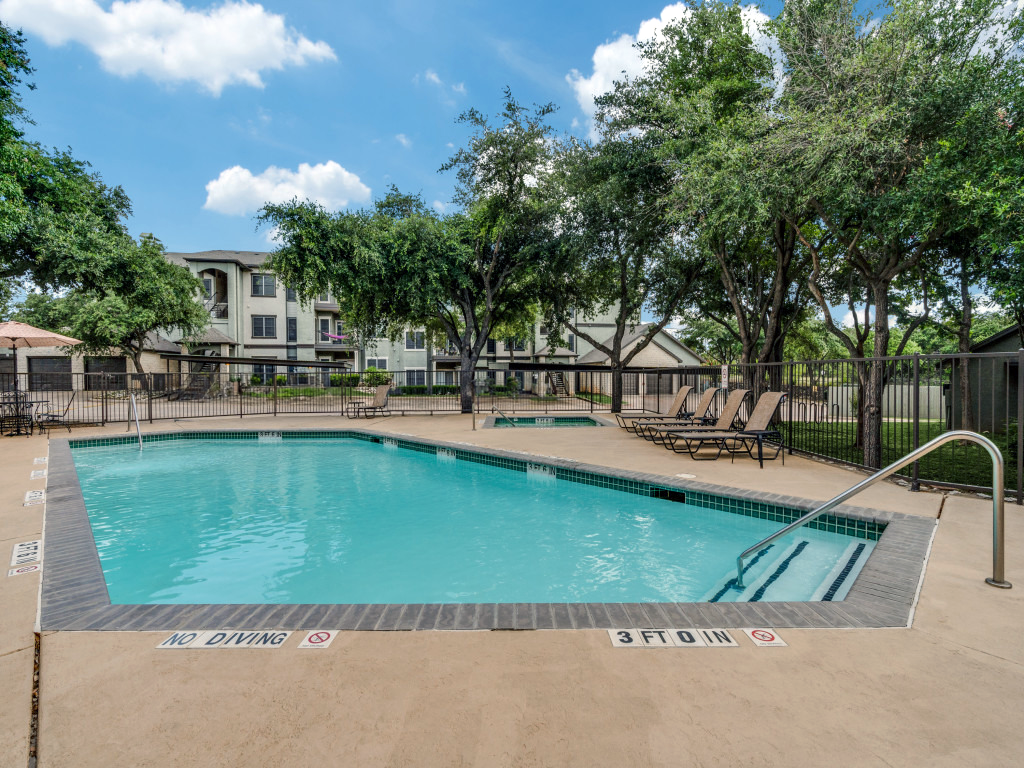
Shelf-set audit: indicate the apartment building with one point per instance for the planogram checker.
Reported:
(253, 315)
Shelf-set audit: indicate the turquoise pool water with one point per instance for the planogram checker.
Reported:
(348, 521)
(507, 422)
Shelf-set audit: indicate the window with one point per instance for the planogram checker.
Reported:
(325, 328)
(207, 287)
(415, 378)
(323, 298)
(380, 363)
(572, 343)
(263, 285)
(263, 374)
(289, 294)
(448, 377)
(414, 340)
(492, 347)
(516, 345)
(293, 329)
(543, 330)
(264, 326)
(292, 353)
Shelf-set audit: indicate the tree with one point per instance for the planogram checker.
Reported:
(867, 105)
(400, 264)
(58, 220)
(707, 95)
(617, 248)
(137, 292)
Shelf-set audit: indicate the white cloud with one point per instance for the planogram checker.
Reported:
(162, 39)
(404, 140)
(459, 88)
(237, 191)
(439, 206)
(431, 77)
(619, 58)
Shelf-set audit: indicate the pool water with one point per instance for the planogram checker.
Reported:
(505, 422)
(349, 521)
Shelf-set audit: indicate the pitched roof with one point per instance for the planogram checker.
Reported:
(213, 336)
(244, 259)
(994, 338)
(638, 331)
(156, 343)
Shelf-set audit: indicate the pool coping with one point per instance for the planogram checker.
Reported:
(73, 594)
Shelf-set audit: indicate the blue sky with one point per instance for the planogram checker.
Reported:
(203, 110)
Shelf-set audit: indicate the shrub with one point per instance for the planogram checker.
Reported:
(281, 379)
(373, 377)
(256, 379)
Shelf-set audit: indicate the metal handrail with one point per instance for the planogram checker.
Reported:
(135, 411)
(998, 542)
(506, 418)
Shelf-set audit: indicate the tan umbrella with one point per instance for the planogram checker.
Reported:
(14, 334)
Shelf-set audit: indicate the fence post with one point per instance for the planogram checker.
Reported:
(149, 386)
(104, 396)
(915, 484)
(791, 398)
(1020, 427)
(274, 396)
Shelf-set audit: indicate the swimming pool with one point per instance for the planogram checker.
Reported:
(74, 593)
(507, 422)
(312, 520)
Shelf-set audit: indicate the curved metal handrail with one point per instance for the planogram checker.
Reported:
(998, 542)
(506, 418)
(135, 411)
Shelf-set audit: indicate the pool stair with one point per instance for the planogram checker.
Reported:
(771, 574)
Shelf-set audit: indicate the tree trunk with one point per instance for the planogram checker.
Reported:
(964, 345)
(616, 389)
(873, 393)
(467, 374)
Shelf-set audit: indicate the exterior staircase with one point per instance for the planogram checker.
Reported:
(558, 386)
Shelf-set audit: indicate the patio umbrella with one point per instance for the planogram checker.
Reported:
(14, 334)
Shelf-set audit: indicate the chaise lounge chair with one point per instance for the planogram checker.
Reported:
(659, 433)
(672, 412)
(376, 407)
(48, 418)
(698, 417)
(755, 432)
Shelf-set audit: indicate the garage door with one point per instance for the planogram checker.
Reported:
(46, 374)
(106, 373)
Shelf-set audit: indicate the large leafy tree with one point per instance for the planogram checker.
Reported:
(867, 105)
(468, 273)
(136, 292)
(618, 248)
(58, 220)
(707, 94)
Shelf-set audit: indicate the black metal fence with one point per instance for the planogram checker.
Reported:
(922, 396)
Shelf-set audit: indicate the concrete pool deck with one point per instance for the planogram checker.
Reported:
(942, 692)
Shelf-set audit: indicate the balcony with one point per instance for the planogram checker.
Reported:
(325, 306)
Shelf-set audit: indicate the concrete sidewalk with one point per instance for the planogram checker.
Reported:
(944, 692)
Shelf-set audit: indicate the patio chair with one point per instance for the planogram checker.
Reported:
(15, 415)
(376, 407)
(755, 432)
(658, 433)
(699, 416)
(674, 410)
(47, 418)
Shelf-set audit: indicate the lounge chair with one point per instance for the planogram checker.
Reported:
(47, 418)
(376, 407)
(659, 433)
(754, 433)
(15, 414)
(673, 411)
(699, 416)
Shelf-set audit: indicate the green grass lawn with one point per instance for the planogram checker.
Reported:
(954, 462)
(594, 397)
(287, 392)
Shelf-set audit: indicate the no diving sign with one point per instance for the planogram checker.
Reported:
(765, 638)
(319, 638)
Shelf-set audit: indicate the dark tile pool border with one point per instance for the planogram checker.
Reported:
(74, 594)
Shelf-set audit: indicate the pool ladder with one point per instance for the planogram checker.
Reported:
(506, 418)
(998, 542)
(135, 413)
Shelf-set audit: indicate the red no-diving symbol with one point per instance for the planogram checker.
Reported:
(763, 635)
(319, 637)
